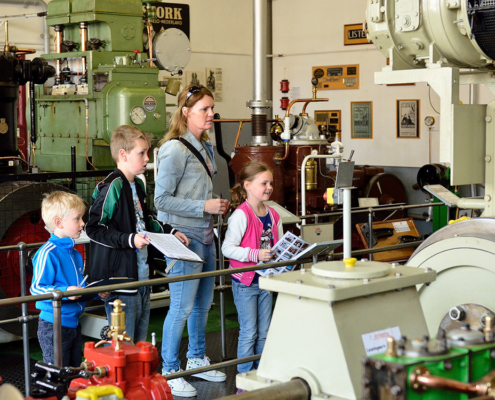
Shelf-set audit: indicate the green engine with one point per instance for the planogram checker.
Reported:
(456, 366)
(103, 80)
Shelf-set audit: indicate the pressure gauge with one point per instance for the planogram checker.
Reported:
(429, 121)
(138, 115)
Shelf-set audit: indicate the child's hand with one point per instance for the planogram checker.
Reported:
(73, 288)
(104, 295)
(265, 255)
(140, 241)
(183, 238)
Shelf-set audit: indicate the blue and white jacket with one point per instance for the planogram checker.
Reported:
(57, 265)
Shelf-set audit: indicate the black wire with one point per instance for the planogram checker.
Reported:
(429, 98)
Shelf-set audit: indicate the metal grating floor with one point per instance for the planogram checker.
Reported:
(212, 390)
(12, 366)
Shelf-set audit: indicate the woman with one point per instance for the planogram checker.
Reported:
(183, 198)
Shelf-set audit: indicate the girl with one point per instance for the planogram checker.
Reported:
(253, 229)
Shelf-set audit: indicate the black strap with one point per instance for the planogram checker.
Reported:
(193, 150)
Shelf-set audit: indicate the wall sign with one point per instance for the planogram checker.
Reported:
(408, 119)
(354, 34)
(337, 77)
(361, 120)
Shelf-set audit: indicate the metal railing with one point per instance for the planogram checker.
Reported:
(57, 295)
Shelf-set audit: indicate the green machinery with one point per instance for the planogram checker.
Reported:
(103, 80)
(458, 365)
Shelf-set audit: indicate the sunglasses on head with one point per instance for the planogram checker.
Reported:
(193, 90)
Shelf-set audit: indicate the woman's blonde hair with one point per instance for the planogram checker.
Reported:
(238, 193)
(178, 123)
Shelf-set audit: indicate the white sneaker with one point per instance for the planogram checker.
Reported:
(212, 376)
(179, 386)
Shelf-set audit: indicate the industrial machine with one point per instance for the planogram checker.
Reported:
(452, 366)
(98, 79)
(324, 314)
(120, 370)
(447, 44)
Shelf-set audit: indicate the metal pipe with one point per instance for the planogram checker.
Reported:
(347, 223)
(259, 56)
(243, 120)
(474, 204)
(58, 49)
(25, 327)
(370, 230)
(223, 333)
(83, 30)
(295, 389)
(303, 179)
(57, 327)
(32, 110)
(238, 135)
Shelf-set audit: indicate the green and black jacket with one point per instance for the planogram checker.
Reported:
(112, 227)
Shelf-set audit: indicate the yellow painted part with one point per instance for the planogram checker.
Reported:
(349, 262)
(457, 220)
(94, 392)
(330, 195)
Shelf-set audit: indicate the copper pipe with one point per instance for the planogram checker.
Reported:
(302, 101)
(58, 50)
(150, 41)
(311, 101)
(286, 144)
(6, 47)
(83, 30)
(297, 173)
(421, 379)
(86, 103)
(238, 134)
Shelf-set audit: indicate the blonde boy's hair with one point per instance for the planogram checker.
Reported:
(59, 204)
(124, 137)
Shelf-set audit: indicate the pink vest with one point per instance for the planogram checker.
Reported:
(252, 238)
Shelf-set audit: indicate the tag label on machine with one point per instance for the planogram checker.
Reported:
(401, 226)
(149, 104)
(376, 342)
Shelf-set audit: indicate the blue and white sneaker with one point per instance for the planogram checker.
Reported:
(212, 376)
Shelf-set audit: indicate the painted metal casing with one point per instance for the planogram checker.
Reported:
(413, 33)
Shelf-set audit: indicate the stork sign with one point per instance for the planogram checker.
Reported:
(169, 15)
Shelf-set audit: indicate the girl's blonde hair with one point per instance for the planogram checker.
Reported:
(238, 193)
(178, 123)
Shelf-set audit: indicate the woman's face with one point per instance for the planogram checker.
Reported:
(200, 116)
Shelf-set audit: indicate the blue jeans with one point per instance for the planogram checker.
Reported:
(71, 344)
(137, 313)
(189, 301)
(254, 309)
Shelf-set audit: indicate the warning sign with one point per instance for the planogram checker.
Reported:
(150, 103)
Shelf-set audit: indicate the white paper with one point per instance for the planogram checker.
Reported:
(376, 342)
(170, 246)
(401, 226)
(285, 249)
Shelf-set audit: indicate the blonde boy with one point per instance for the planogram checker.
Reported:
(58, 265)
(119, 212)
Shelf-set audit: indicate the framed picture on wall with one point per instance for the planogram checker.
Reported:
(408, 119)
(361, 119)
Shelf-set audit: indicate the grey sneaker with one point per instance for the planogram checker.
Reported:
(179, 386)
(212, 376)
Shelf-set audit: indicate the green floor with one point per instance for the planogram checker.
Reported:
(157, 317)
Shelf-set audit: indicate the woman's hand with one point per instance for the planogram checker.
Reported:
(217, 206)
(265, 255)
(183, 238)
(140, 241)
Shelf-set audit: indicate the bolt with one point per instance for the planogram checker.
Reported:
(488, 119)
(299, 281)
(366, 280)
(488, 198)
(447, 365)
(303, 271)
(269, 381)
(397, 274)
(331, 287)
(488, 159)
(394, 265)
(395, 390)
(244, 374)
(298, 297)
(428, 269)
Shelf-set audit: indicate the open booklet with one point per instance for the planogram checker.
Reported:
(287, 248)
(171, 247)
(292, 247)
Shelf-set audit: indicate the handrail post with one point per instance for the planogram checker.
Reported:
(370, 232)
(25, 328)
(57, 327)
(223, 333)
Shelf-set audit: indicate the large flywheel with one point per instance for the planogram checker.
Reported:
(388, 189)
(20, 221)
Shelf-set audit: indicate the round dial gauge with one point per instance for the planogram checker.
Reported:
(138, 115)
(429, 121)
